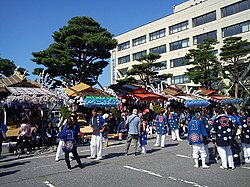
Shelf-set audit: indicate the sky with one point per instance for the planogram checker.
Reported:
(27, 26)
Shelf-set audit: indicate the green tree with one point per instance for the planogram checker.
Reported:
(7, 68)
(127, 80)
(146, 70)
(206, 67)
(234, 53)
(79, 52)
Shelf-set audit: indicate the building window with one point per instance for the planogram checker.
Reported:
(139, 41)
(136, 56)
(178, 27)
(123, 46)
(206, 18)
(180, 79)
(179, 44)
(235, 8)
(177, 62)
(124, 59)
(236, 29)
(161, 68)
(158, 34)
(123, 71)
(158, 50)
(199, 38)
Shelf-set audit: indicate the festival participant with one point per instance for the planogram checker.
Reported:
(105, 133)
(3, 131)
(223, 131)
(49, 135)
(173, 122)
(205, 118)
(236, 143)
(121, 125)
(133, 122)
(245, 135)
(143, 136)
(161, 128)
(69, 136)
(96, 122)
(196, 136)
(24, 136)
(61, 143)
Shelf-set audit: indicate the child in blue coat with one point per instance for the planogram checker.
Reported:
(196, 136)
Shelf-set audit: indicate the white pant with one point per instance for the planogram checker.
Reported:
(59, 150)
(96, 146)
(160, 139)
(207, 152)
(199, 149)
(246, 150)
(175, 134)
(143, 149)
(226, 156)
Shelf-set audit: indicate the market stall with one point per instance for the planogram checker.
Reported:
(22, 97)
(213, 96)
(91, 97)
(181, 99)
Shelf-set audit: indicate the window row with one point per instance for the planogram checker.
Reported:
(123, 46)
(200, 38)
(235, 8)
(178, 27)
(139, 41)
(206, 18)
(179, 44)
(124, 59)
(180, 79)
(158, 34)
(162, 67)
(236, 29)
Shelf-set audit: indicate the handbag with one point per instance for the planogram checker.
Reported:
(68, 146)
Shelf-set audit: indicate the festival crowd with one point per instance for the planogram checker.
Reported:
(226, 129)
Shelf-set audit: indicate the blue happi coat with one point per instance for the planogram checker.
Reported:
(196, 131)
(245, 134)
(160, 123)
(173, 120)
(224, 128)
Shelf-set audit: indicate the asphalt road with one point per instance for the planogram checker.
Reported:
(170, 166)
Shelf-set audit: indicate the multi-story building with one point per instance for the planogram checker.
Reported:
(173, 35)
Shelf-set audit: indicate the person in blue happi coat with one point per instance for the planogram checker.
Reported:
(3, 131)
(223, 133)
(161, 128)
(245, 134)
(196, 136)
(173, 121)
(69, 136)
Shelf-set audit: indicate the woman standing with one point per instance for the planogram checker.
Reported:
(69, 136)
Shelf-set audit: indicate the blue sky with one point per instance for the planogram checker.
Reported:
(26, 26)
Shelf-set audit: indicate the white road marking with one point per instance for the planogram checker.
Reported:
(183, 156)
(245, 167)
(144, 171)
(186, 181)
(48, 184)
(170, 178)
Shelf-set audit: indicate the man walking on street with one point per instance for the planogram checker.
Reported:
(133, 122)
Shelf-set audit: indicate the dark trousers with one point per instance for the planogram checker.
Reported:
(76, 156)
(1, 141)
(23, 142)
(134, 138)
